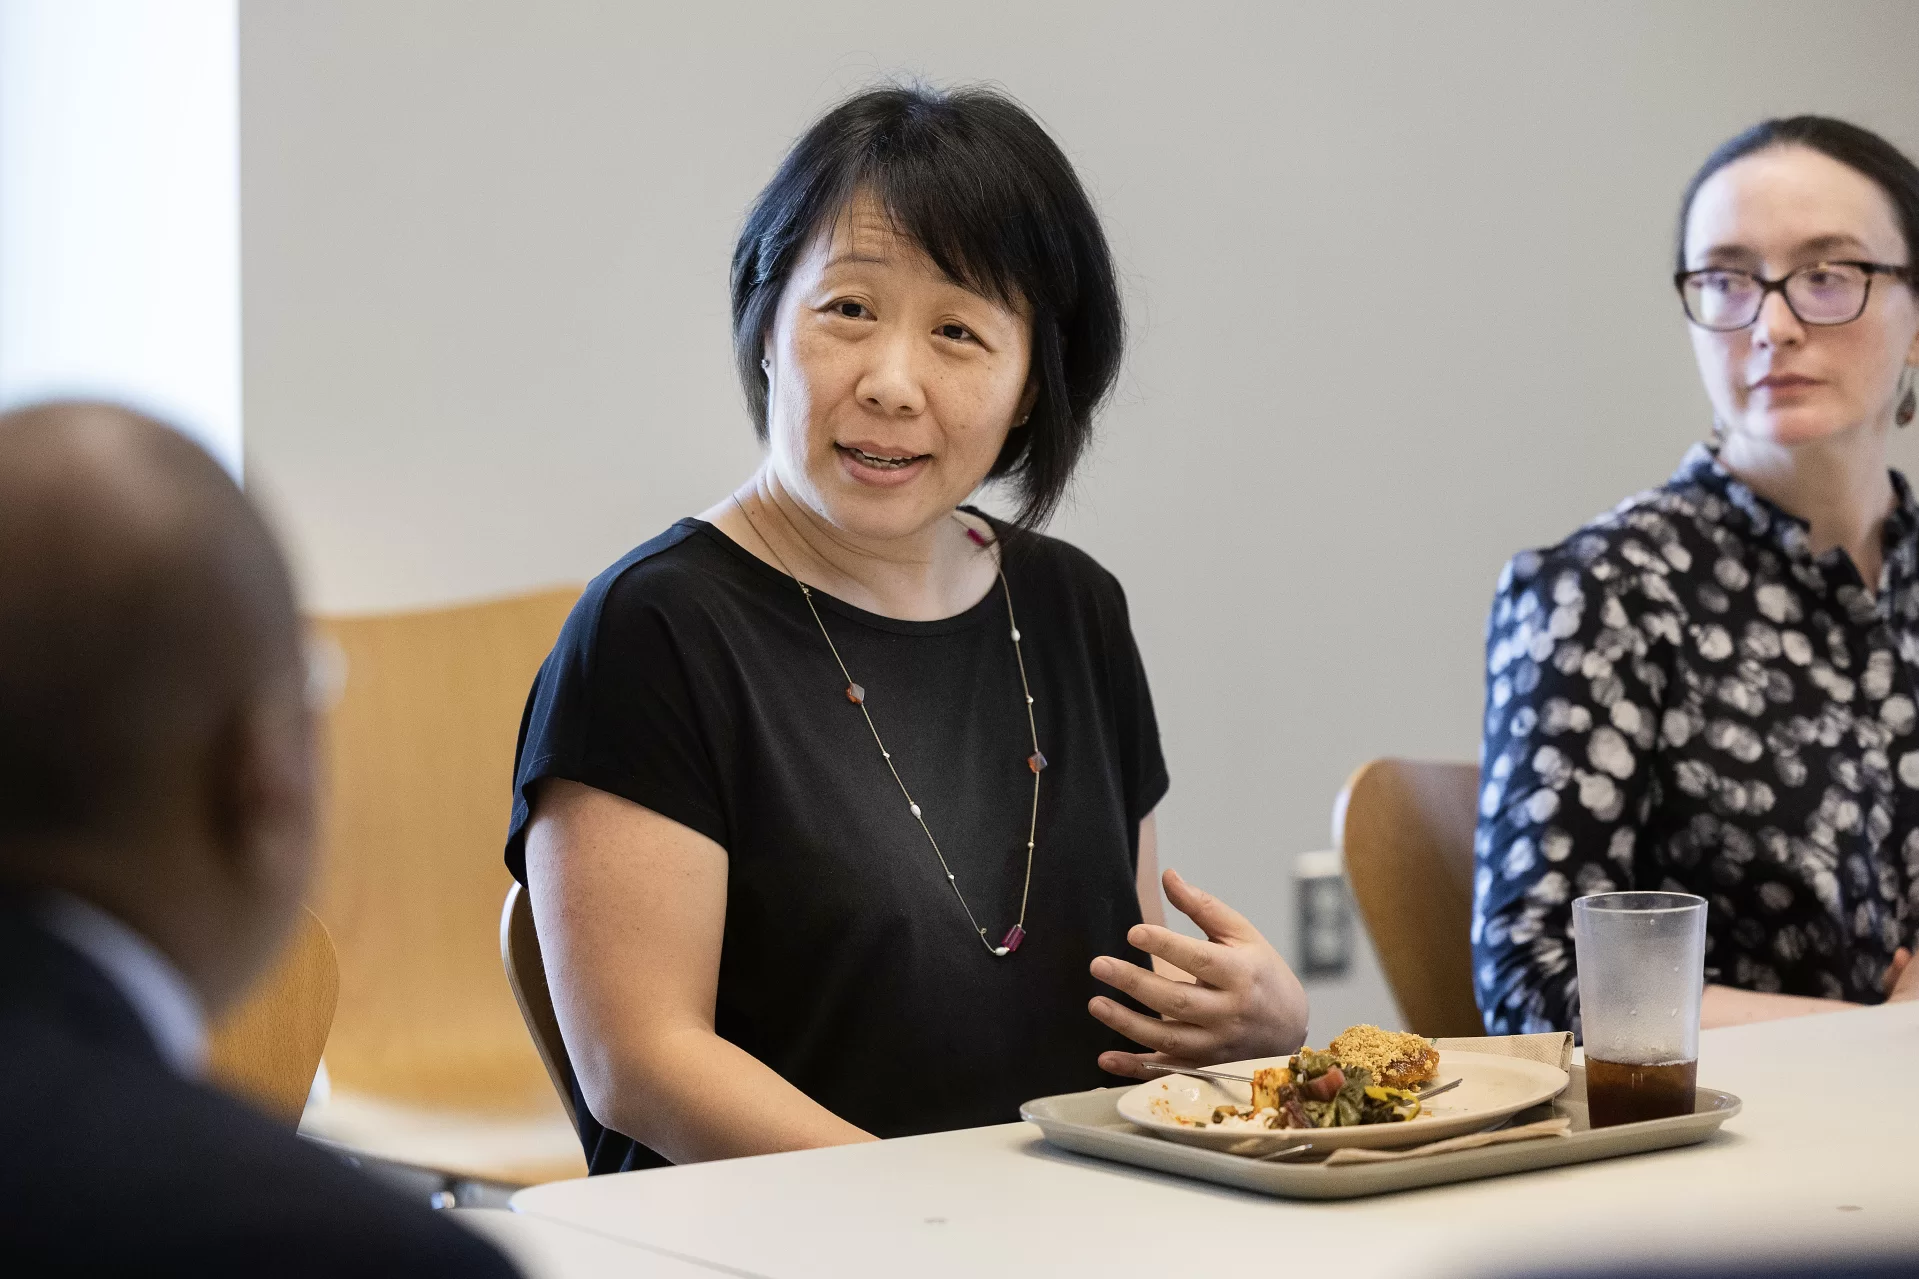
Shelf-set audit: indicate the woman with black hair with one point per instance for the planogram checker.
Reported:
(1712, 688)
(836, 804)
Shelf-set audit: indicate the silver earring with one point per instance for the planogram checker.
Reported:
(1718, 430)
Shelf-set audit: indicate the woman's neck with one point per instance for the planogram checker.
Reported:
(932, 573)
(1838, 485)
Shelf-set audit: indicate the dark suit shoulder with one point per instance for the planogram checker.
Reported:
(110, 1163)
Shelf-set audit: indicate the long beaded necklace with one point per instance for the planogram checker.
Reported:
(857, 695)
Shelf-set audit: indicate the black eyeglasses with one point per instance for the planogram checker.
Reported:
(1825, 293)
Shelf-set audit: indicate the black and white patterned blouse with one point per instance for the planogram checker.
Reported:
(1682, 696)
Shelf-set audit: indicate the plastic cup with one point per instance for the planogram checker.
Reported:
(1642, 970)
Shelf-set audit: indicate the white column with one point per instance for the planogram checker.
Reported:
(119, 208)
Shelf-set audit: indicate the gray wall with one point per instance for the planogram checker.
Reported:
(1396, 275)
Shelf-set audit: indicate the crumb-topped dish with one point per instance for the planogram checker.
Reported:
(1365, 1076)
(1335, 1097)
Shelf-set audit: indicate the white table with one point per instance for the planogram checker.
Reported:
(544, 1249)
(1794, 1172)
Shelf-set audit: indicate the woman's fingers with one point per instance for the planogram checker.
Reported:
(1180, 1000)
(1219, 921)
(1895, 970)
(1133, 1065)
(1207, 961)
(1180, 1040)
(1905, 985)
(1245, 1003)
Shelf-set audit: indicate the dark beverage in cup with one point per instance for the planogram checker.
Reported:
(1642, 967)
(1626, 1093)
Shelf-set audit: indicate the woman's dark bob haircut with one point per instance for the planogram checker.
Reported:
(1859, 149)
(972, 178)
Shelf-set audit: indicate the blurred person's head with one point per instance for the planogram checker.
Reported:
(923, 300)
(156, 747)
(1831, 211)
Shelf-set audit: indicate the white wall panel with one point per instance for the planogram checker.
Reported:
(1397, 275)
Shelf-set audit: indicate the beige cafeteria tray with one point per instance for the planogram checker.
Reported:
(1089, 1124)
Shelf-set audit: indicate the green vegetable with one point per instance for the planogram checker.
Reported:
(1358, 1101)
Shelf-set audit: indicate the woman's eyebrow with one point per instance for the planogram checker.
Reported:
(1742, 255)
(1828, 243)
(854, 256)
(1728, 255)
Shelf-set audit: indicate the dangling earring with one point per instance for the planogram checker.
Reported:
(1718, 430)
(1908, 403)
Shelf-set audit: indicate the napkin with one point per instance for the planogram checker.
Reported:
(1554, 1048)
(1560, 1127)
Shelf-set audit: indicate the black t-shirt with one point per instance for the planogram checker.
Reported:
(691, 679)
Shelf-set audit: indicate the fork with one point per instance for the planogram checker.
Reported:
(1218, 1076)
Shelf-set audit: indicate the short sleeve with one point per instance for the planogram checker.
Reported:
(1142, 765)
(616, 707)
(1572, 714)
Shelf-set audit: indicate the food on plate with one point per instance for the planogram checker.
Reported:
(1395, 1059)
(1365, 1076)
(1267, 1085)
(1317, 1090)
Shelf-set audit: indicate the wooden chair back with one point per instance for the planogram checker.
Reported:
(420, 748)
(267, 1048)
(526, 974)
(1405, 828)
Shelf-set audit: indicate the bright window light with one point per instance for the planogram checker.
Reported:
(119, 208)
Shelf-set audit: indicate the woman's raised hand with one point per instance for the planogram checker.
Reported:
(1901, 982)
(1242, 999)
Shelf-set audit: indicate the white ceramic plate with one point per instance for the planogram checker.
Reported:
(1493, 1089)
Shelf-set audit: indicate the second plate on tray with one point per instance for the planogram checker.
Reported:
(1177, 1106)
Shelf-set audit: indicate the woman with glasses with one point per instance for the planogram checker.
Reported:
(1714, 688)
